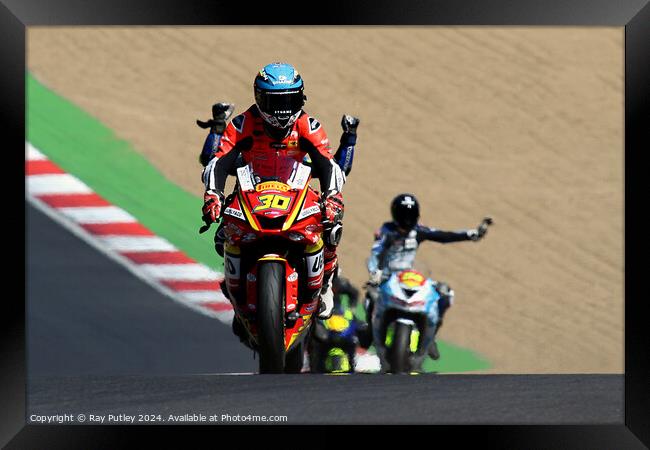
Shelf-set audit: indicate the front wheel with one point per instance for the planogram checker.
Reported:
(401, 348)
(270, 316)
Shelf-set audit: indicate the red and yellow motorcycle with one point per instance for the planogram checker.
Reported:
(273, 259)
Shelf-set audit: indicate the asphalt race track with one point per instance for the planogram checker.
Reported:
(88, 315)
(101, 341)
(356, 399)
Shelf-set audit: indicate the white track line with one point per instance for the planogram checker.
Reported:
(55, 184)
(205, 296)
(31, 154)
(225, 316)
(137, 243)
(181, 272)
(97, 214)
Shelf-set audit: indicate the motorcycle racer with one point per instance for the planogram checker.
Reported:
(222, 111)
(277, 124)
(396, 245)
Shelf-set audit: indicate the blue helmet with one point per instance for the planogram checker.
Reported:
(279, 94)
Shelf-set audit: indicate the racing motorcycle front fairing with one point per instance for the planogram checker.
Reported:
(275, 215)
(409, 297)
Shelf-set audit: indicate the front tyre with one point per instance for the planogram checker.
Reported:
(401, 348)
(270, 316)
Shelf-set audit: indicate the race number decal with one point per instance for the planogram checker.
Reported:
(410, 243)
(315, 264)
(273, 201)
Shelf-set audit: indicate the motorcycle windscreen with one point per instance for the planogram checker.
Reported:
(277, 168)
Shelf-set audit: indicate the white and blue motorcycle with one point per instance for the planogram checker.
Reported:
(404, 320)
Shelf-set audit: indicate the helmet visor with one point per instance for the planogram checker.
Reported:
(280, 104)
(407, 221)
(406, 212)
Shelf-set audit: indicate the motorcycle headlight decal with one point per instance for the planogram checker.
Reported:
(294, 236)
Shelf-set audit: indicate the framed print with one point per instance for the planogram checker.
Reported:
(517, 126)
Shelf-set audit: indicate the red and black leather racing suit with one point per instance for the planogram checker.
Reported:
(245, 135)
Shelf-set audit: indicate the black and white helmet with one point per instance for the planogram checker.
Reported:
(405, 210)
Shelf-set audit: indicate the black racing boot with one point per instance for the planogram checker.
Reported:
(433, 347)
(433, 350)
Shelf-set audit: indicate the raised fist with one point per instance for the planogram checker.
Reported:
(221, 112)
(349, 124)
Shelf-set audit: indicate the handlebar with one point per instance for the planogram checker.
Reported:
(205, 227)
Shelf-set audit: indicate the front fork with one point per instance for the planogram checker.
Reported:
(382, 337)
(242, 290)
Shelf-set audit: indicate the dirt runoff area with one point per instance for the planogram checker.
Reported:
(523, 124)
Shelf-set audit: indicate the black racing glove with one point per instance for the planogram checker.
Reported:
(482, 229)
(220, 114)
(349, 124)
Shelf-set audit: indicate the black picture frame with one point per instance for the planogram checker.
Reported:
(634, 15)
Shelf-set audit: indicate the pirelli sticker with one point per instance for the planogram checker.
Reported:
(272, 186)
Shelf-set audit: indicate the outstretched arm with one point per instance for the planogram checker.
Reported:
(433, 234)
(444, 237)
